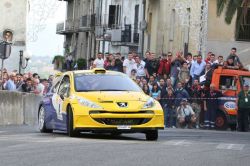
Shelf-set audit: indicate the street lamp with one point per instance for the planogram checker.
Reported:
(24, 55)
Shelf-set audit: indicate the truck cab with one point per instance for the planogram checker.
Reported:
(229, 82)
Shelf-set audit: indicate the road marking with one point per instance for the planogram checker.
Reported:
(230, 146)
(177, 143)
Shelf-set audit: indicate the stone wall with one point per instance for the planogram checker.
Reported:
(18, 108)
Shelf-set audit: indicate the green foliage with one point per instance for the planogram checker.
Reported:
(58, 59)
(231, 9)
(81, 63)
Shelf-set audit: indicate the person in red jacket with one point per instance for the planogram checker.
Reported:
(165, 65)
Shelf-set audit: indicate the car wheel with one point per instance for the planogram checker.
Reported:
(221, 121)
(42, 122)
(70, 124)
(152, 135)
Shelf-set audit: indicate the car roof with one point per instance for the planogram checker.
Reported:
(94, 71)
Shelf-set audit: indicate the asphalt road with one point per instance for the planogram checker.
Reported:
(25, 146)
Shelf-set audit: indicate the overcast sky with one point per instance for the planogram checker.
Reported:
(48, 42)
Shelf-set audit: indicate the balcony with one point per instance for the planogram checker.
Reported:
(66, 27)
(126, 37)
(87, 23)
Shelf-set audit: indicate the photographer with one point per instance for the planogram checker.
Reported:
(186, 115)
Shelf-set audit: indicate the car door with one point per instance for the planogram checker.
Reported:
(59, 103)
(49, 105)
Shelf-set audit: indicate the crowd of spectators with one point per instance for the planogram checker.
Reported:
(27, 82)
(177, 81)
(181, 83)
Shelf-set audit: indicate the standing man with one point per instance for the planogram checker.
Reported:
(211, 105)
(197, 67)
(140, 65)
(10, 84)
(152, 65)
(235, 57)
(98, 62)
(129, 64)
(243, 103)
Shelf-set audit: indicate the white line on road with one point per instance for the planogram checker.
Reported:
(178, 143)
(230, 146)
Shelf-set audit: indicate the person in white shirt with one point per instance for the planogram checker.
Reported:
(98, 62)
(186, 115)
(38, 87)
(129, 64)
(140, 65)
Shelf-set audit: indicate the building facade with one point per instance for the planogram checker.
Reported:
(222, 37)
(93, 26)
(13, 26)
(193, 26)
(173, 25)
(118, 25)
(78, 29)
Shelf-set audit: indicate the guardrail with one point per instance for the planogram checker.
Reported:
(18, 108)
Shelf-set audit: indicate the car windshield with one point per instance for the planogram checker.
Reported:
(245, 79)
(103, 82)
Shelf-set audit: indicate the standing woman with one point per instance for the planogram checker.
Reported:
(155, 92)
(243, 103)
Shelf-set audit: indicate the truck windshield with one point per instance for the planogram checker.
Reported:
(245, 79)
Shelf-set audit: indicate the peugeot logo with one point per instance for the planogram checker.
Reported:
(122, 104)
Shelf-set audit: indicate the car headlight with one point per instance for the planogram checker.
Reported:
(149, 104)
(87, 103)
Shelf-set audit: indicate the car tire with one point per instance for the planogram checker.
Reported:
(70, 124)
(152, 135)
(42, 122)
(221, 121)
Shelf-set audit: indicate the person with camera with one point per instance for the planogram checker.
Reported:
(186, 115)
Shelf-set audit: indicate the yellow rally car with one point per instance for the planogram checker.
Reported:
(99, 101)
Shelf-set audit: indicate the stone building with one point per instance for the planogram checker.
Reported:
(13, 22)
(186, 25)
(118, 26)
(78, 29)
(93, 26)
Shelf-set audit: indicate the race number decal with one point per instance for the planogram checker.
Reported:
(57, 104)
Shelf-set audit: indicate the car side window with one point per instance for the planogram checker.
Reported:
(64, 87)
(228, 83)
(55, 87)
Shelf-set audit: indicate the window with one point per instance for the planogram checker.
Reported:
(114, 15)
(243, 29)
(136, 20)
(228, 83)
(64, 87)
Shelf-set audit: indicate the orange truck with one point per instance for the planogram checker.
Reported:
(230, 83)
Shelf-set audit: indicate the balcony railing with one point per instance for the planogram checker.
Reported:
(69, 26)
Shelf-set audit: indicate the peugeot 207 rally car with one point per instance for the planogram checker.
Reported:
(99, 101)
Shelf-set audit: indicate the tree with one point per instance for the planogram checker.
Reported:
(231, 8)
